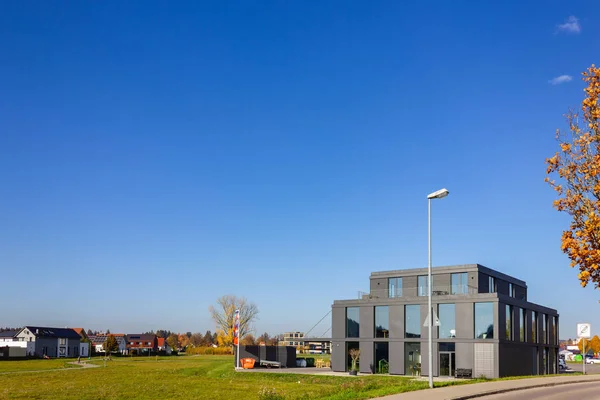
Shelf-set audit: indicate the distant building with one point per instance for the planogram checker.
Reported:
(164, 346)
(8, 336)
(99, 340)
(50, 342)
(292, 339)
(142, 343)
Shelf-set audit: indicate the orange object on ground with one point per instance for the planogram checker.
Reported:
(247, 363)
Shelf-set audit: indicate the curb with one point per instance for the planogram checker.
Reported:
(507, 390)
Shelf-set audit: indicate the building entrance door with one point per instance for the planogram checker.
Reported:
(447, 363)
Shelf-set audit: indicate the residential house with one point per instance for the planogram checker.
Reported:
(142, 343)
(84, 345)
(8, 336)
(50, 342)
(164, 346)
(483, 325)
(99, 340)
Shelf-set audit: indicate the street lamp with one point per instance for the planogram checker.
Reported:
(435, 195)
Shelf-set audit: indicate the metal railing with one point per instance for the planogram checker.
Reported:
(452, 290)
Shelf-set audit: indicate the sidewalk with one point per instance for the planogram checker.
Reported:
(470, 391)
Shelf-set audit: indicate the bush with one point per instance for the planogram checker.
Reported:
(269, 394)
(219, 351)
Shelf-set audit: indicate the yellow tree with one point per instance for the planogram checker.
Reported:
(587, 343)
(595, 344)
(224, 316)
(577, 166)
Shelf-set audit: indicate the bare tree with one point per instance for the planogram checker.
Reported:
(224, 316)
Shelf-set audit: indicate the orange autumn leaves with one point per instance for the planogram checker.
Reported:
(577, 166)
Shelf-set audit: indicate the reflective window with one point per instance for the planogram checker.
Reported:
(491, 284)
(422, 281)
(447, 317)
(534, 327)
(382, 322)
(554, 330)
(382, 357)
(509, 323)
(459, 283)
(522, 327)
(484, 320)
(412, 321)
(544, 328)
(412, 359)
(395, 287)
(352, 322)
(511, 290)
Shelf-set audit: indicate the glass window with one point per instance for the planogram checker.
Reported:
(484, 320)
(534, 337)
(382, 357)
(511, 290)
(522, 319)
(422, 281)
(491, 284)
(350, 346)
(447, 317)
(544, 330)
(412, 359)
(459, 283)
(555, 329)
(412, 321)
(509, 322)
(395, 287)
(382, 322)
(352, 322)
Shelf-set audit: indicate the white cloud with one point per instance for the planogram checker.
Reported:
(571, 26)
(560, 79)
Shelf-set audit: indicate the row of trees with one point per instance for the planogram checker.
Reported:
(591, 345)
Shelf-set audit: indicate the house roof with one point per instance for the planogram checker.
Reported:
(100, 339)
(161, 341)
(141, 338)
(80, 332)
(43, 331)
(11, 333)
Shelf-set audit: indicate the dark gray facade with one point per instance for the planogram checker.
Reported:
(487, 325)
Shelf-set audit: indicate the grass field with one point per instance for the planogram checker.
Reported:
(193, 377)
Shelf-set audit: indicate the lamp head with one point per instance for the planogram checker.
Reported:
(439, 194)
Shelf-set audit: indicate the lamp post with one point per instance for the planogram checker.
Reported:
(435, 195)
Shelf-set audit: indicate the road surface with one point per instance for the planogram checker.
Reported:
(587, 391)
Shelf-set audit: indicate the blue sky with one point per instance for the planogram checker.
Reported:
(155, 156)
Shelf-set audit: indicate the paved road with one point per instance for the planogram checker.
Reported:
(587, 391)
(589, 368)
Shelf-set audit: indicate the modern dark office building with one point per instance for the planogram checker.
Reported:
(487, 326)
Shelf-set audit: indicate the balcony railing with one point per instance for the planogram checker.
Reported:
(453, 290)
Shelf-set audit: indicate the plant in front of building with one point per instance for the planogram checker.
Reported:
(354, 356)
(577, 165)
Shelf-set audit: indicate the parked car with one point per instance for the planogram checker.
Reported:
(592, 360)
(562, 364)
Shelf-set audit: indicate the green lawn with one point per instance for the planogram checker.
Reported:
(200, 377)
(185, 377)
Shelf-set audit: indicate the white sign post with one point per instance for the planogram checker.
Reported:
(584, 331)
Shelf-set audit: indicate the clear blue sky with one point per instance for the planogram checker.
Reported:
(154, 156)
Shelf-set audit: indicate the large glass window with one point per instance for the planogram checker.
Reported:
(382, 322)
(555, 330)
(511, 290)
(544, 328)
(459, 283)
(352, 322)
(484, 320)
(447, 317)
(395, 287)
(509, 322)
(534, 327)
(491, 284)
(382, 358)
(412, 321)
(422, 282)
(412, 359)
(522, 328)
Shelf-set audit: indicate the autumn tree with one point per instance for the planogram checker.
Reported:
(248, 340)
(264, 338)
(183, 340)
(224, 316)
(197, 339)
(208, 339)
(587, 343)
(577, 167)
(595, 344)
(173, 341)
(110, 344)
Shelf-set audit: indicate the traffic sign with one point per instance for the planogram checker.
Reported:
(584, 330)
